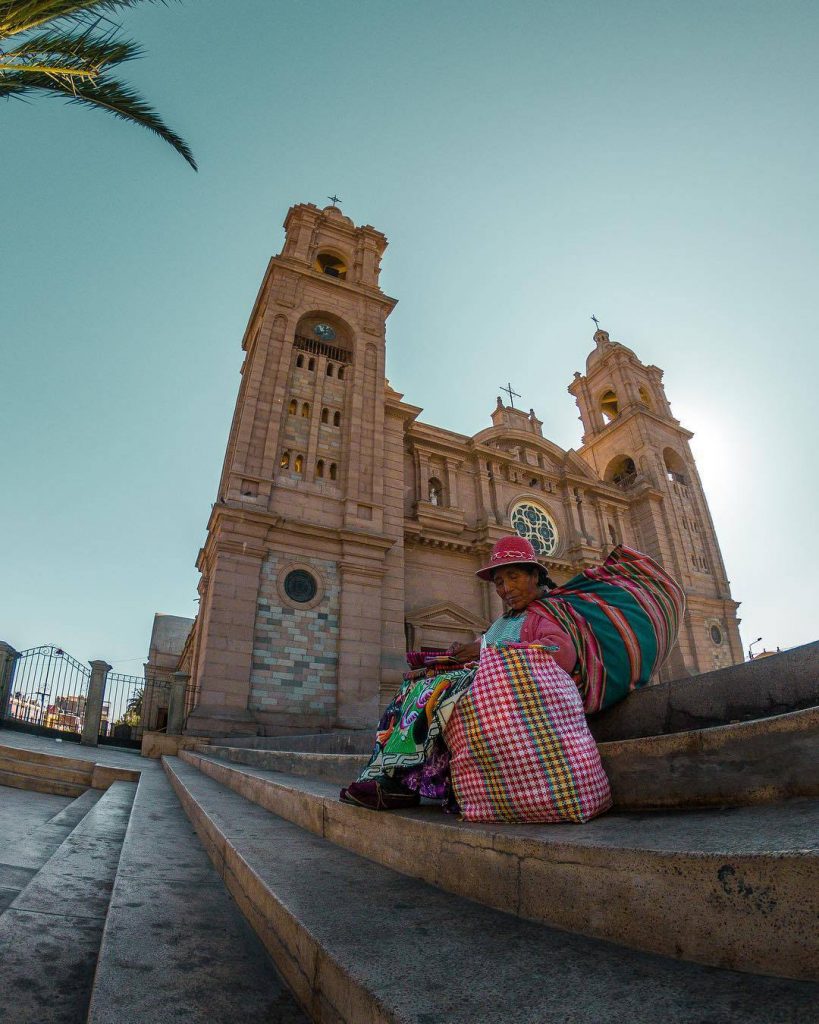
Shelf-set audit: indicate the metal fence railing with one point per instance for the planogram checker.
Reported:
(47, 692)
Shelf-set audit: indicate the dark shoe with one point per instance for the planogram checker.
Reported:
(375, 797)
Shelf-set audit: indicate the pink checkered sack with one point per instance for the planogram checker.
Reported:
(520, 747)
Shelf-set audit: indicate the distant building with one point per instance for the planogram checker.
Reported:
(346, 529)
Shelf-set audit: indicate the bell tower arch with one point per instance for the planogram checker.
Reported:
(634, 443)
(295, 627)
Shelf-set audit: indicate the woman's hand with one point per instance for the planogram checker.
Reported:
(463, 653)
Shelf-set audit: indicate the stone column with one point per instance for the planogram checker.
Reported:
(8, 659)
(94, 701)
(176, 704)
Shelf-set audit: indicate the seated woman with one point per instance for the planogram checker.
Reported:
(410, 759)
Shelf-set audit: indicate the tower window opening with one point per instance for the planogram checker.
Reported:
(609, 405)
(341, 373)
(329, 369)
(674, 467)
(305, 410)
(300, 361)
(325, 415)
(644, 398)
(336, 419)
(298, 464)
(622, 472)
(333, 471)
(311, 365)
(284, 461)
(293, 408)
(331, 265)
(320, 469)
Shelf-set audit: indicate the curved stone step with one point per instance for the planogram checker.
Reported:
(359, 943)
(175, 946)
(744, 763)
(50, 933)
(740, 886)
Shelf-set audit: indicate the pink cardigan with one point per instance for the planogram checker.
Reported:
(539, 627)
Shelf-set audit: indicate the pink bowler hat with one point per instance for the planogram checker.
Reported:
(509, 551)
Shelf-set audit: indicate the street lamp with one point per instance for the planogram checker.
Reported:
(751, 648)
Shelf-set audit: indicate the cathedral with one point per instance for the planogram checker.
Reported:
(346, 530)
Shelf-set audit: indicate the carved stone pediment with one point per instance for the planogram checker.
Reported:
(445, 616)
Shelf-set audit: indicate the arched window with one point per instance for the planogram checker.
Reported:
(435, 491)
(336, 419)
(674, 466)
(305, 410)
(536, 525)
(331, 265)
(609, 405)
(284, 461)
(329, 369)
(320, 469)
(293, 408)
(621, 472)
(311, 365)
(341, 373)
(333, 471)
(298, 464)
(325, 415)
(300, 361)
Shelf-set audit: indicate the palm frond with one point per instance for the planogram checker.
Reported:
(103, 92)
(25, 15)
(83, 55)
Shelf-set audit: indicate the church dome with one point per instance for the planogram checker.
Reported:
(336, 214)
(603, 345)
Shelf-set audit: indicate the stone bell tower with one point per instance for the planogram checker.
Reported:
(301, 613)
(636, 446)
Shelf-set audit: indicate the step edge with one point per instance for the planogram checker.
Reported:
(521, 887)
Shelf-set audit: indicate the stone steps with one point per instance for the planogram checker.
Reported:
(50, 933)
(768, 759)
(41, 772)
(360, 943)
(175, 946)
(741, 886)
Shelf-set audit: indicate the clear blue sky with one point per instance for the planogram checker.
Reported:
(531, 163)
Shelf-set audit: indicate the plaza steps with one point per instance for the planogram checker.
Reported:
(759, 761)
(175, 946)
(52, 773)
(50, 932)
(741, 885)
(112, 912)
(333, 892)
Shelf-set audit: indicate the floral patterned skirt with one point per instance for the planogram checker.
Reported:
(409, 748)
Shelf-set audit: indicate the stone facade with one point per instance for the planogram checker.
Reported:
(336, 500)
(295, 646)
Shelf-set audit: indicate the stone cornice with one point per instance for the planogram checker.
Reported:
(302, 269)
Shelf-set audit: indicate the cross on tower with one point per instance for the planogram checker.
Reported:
(334, 199)
(596, 322)
(510, 392)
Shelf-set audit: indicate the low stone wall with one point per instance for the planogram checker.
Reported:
(757, 689)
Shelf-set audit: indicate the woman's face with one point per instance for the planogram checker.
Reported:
(516, 586)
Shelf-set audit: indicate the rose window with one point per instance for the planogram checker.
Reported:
(536, 526)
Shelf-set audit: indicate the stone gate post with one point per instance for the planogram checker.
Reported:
(176, 704)
(8, 658)
(94, 701)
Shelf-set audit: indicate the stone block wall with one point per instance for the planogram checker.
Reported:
(295, 647)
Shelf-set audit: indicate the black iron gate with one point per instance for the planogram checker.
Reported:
(48, 695)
